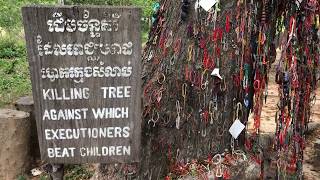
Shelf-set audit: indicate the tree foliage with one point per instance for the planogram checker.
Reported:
(10, 12)
(146, 5)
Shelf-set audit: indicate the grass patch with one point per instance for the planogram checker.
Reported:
(15, 80)
(11, 48)
(78, 172)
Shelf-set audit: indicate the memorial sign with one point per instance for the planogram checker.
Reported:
(85, 65)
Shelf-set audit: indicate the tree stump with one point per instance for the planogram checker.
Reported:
(15, 142)
(26, 104)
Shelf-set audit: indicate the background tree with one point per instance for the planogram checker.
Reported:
(10, 12)
(146, 5)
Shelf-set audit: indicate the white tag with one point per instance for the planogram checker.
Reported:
(216, 72)
(36, 172)
(207, 4)
(236, 128)
(196, 5)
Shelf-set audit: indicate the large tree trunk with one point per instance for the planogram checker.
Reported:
(187, 111)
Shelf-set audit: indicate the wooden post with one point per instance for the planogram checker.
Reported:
(14, 140)
(56, 171)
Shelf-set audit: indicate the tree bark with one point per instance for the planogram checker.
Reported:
(187, 111)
